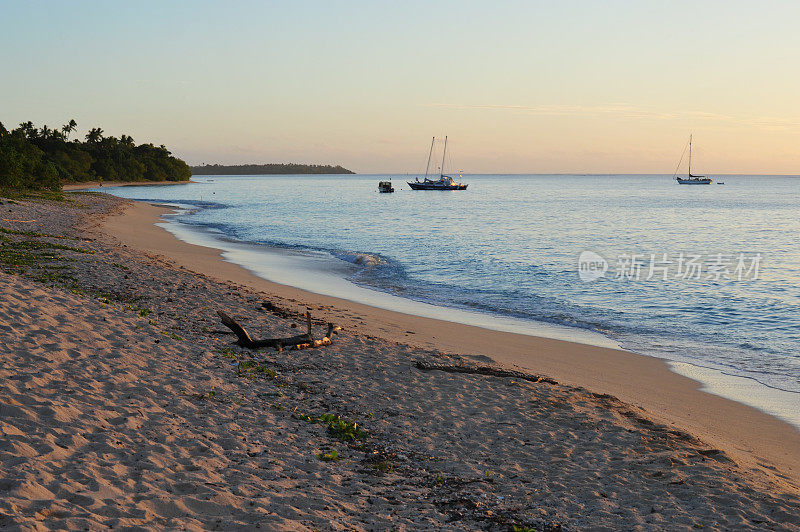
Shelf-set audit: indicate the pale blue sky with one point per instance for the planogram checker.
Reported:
(518, 86)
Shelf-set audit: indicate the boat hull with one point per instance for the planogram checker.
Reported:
(694, 181)
(431, 186)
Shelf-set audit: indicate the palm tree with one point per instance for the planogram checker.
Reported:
(94, 135)
(68, 128)
(127, 140)
(28, 129)
(45, 132)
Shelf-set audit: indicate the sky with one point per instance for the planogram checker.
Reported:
(519, 87)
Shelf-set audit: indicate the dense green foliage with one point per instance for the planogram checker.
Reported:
(44, 159)
(262, 169)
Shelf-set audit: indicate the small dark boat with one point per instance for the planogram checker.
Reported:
(385, 186)
(445, 182)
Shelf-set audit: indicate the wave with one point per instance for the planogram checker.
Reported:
(361, 259)
(187, 203)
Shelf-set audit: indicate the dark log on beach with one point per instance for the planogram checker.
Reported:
(301, 341)
(483, 370)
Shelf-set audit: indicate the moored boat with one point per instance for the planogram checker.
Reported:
(385, 186)
(694, 180)
(691, 179)
(445, 182)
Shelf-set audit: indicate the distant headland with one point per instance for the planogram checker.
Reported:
(274, 168)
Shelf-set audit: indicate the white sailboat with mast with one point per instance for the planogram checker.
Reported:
(445, 182)
(691, 179)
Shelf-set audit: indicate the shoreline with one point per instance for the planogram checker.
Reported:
(319, 275)
(74, 187)
(314, 272)
(747, 434)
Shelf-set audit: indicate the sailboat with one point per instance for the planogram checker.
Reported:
(445, 182)
(692, 179)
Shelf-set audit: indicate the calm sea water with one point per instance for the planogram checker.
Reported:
(510, 246)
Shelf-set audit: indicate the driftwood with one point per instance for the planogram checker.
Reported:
(483, 370)
(301, 341)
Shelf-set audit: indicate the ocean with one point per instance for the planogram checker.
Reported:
(707, 277)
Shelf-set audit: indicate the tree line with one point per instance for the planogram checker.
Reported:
(45, 158)
(275, 168)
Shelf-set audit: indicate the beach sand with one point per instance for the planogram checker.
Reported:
(124, 404)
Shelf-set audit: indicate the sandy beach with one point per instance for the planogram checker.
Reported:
(126, 404)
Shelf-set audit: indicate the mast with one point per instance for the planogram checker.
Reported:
(690, 155)
(427, 167)
(444, 152)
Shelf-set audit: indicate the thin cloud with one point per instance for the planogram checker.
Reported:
(630, 111)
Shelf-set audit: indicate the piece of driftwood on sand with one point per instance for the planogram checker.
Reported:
(300, 341)
(483, 370)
